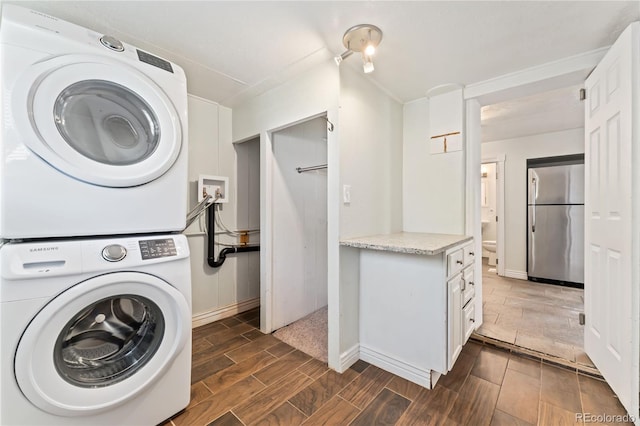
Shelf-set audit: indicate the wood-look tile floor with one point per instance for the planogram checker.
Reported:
(243, 377)
(541, 317)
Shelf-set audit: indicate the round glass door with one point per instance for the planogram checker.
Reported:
(109, 341)
(98, 120)
(101, 342)
(106, 122)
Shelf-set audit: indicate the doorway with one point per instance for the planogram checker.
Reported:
(536, 317)
(492, 212)
(247, 266)
(298, 229)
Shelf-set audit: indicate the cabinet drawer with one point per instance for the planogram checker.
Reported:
(468, 254)
(469, 319)
(468, 285)
(454, 262)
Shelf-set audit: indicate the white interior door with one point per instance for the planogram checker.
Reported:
(611, 236)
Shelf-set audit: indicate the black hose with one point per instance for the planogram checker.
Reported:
(211, 242)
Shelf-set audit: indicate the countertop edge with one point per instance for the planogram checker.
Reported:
(404, 249)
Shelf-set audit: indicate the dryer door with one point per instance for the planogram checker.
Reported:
(97, 120)
(101, 342)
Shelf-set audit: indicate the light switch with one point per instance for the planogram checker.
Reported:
(346, 194)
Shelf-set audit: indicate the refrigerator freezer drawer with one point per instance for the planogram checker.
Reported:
(556, 246)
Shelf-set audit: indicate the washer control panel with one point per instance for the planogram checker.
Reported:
(153, 249)
(114, 253)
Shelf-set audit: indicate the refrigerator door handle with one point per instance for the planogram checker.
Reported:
(534, 182)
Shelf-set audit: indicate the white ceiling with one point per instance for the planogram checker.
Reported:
(232, 50)
(546, 112)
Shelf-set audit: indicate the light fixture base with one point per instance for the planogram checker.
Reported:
(358, 37)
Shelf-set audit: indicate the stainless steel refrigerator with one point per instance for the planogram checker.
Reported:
(556, 224)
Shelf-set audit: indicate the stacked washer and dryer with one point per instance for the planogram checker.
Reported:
(95, 289)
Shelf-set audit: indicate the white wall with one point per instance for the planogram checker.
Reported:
(219, 290)
(433, 184)
(370, 157)
(516, 152)
(371, 163)
(299, 222)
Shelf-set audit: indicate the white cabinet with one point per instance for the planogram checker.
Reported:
(468, 285)
(460, 303)
(415, 308)
(469, 321)
(455, 260)
(454, 344)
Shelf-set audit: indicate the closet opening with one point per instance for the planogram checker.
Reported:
(297, 198)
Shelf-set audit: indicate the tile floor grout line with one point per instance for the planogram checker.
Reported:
(349, 402)
(234, 415)
(259, 381)
(398, 393)
(288, 401)
(208, 388)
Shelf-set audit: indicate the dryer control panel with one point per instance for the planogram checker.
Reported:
(153, 249)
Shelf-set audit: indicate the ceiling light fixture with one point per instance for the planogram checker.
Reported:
(363, 38)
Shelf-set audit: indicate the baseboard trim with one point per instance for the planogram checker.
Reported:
(349, 357)
(397, 367)
(519, 275)
(224, 312)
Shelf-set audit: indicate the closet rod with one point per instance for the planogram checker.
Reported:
(308, 169)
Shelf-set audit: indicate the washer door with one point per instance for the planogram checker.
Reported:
(97, 120)
(101, 343)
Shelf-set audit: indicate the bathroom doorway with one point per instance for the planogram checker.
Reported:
(492, 213)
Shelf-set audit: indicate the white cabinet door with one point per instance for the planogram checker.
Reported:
(611, 276)
(454, 314)
(468, 320)
(468, 285)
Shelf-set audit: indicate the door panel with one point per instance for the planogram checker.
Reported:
(611, 331)
(113, 128)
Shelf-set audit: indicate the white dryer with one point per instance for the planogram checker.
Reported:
(94, 133)
(95, 331)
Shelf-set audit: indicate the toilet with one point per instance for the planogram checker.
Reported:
(490, 246)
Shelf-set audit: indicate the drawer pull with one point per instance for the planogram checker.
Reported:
(459, 262)
(471, 253)
(472, 320)
(471, 283)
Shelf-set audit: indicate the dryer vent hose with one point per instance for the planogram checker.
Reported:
(211, 242)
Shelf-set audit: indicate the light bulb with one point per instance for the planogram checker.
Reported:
(369, 50)
(368, 67)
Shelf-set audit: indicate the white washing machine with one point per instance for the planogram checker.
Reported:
(95, 331)
(94, 133)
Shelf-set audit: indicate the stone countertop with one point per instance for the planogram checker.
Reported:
(407, 242)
